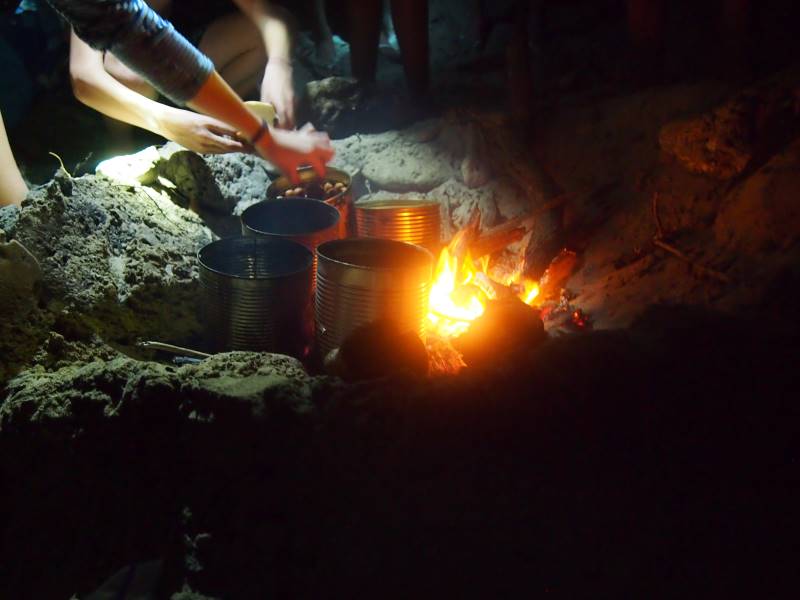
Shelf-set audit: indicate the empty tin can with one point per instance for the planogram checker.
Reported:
(364, 280)
(255, 294)
(401, 220)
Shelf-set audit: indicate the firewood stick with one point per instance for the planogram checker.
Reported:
(495, 239)
(702, 269)
(660, 243)
(467, 236)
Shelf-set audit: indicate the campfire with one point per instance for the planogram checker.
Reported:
(462, 288)
(478, 311)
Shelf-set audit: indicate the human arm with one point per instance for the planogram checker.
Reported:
(276, 86)
(135, 34)
(285, 149)
(12, 187)
(94, 86)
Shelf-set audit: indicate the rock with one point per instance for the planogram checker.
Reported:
(762, 215)
(234, 385)
(241, 179)
(377, 350)
(507, 331)
(461, 201)
(190, 176)
(747, 128)
(475, 168)
(397, 161)
(8, 218)
(131, 169)
(250, 378)
(220, 183)
(122, 257)
(20, 275)
(332, 104)
(716, 144)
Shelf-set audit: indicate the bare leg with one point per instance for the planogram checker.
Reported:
(646, 31)
(364, 28)
(411, 25)
(234, 45)
(736, 18)
(520, 81)
(646, 24)
(326, 51)
(12, 187)
(736, 58)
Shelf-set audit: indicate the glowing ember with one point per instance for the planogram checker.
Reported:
(462, 287)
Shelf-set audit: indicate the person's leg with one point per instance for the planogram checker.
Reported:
(321, 30)
(735, 52)
(646, 32)
(736, 18)
(12, 187)
(364, 28)
(646, 24)
(234, 45)
(518, 66)
(411, 26)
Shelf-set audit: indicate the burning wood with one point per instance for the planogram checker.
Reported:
(554, 277)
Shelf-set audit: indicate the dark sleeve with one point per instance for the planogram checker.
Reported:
(141, 39)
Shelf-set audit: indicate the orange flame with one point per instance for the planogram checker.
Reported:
(462, 288)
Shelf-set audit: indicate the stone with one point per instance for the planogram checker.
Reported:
(234, 385)
(332, 104)
(20, 276)
(715, 144)
(122, 257)
(461, 201)
(762, 215)
(746, 129)
(397, 162)
(8, 218)
(241, 179)
(475, 166)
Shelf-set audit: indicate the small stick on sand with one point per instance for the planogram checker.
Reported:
(660, 243)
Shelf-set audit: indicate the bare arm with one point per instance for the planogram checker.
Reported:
(272, 24)
(12, 187)
(276, 86)
(141, 40)
(96, 88)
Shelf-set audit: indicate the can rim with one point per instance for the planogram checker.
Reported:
(389, 204)
(424, 256)
(308, 256)
(331, 212)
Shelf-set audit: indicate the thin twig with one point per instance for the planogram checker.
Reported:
(172, 349)
(660, 243)
(61, 162)
(656, 218)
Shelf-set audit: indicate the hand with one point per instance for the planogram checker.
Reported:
(277, 88)
(288, 150)
(199, 133)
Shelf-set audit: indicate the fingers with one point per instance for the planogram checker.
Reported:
(318, 164)
(291, 173)
(285, 112)
(218, 144)
(221, 128)
(289, 114)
